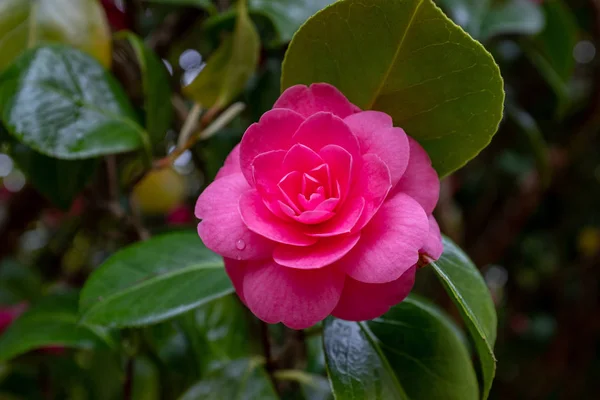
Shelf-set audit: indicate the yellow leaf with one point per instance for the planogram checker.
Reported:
(28, 23)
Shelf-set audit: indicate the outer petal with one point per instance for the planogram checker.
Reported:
(363, 301)
(420, 181)
(232, 164)
(222, 229)
(259, 219)
(373, 183)
(236, 271)
(318, 97)
(322, 129)
(390, 243)
(274, 131)
(376, 134)
(433, 247)
(298, 298)
(326, 251)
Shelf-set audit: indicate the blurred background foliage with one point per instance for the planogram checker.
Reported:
(526, 210)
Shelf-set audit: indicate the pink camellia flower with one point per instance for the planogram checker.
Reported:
(322, 209)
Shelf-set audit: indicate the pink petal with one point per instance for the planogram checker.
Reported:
(236, 271)
(420, 181)
(222, 229)
(373, 183)
(318, 97)
(274, 131)
(298, 298)
(313, 217)
(433, 247)
(259, 219)
(364, 301)
(322, 129)
(340, 164)
(343, 222)
(266, 172)
(232, 164)
(376, 134)
(301, 158)
(326, 251)
(390, 243)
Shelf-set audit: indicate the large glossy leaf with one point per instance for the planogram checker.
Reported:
(287, 15)
(52, 321)
(27, 23)
(152, 281)
(412, 352)
(243, 379)
(59, 180)
(229, 68)
(156, 88)
(468, 290)
(408, 59)
(62, 103)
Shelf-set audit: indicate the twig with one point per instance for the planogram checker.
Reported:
(128, 384)
(206, 128)
(112, 178)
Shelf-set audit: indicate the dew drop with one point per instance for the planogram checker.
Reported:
(240, 244)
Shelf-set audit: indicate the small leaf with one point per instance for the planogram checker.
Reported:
(80, 23)
(551, 52)
(62, 103)
(287, 15)
(229, 68)
(156, 87)
(53, 321)
(405, 58)
(152, 281)
(59, 180)
(521, 17)
(412, 352)
(243, 379)
(18, 283)
(468, 290)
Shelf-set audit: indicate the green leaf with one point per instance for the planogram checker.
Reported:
(405, 58)
(227, 329)
(243, 379)
(287, 15)
(468, 290)
(529, 126)
(53, 321)
(551, 52)
(80, 23)
(229, 68)
(152, 281)
(521, 17)
(412, 352)
(62, 103)
(59, 180)
(156, 87)
(146, 380)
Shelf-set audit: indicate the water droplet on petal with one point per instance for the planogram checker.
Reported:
(240, 244)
